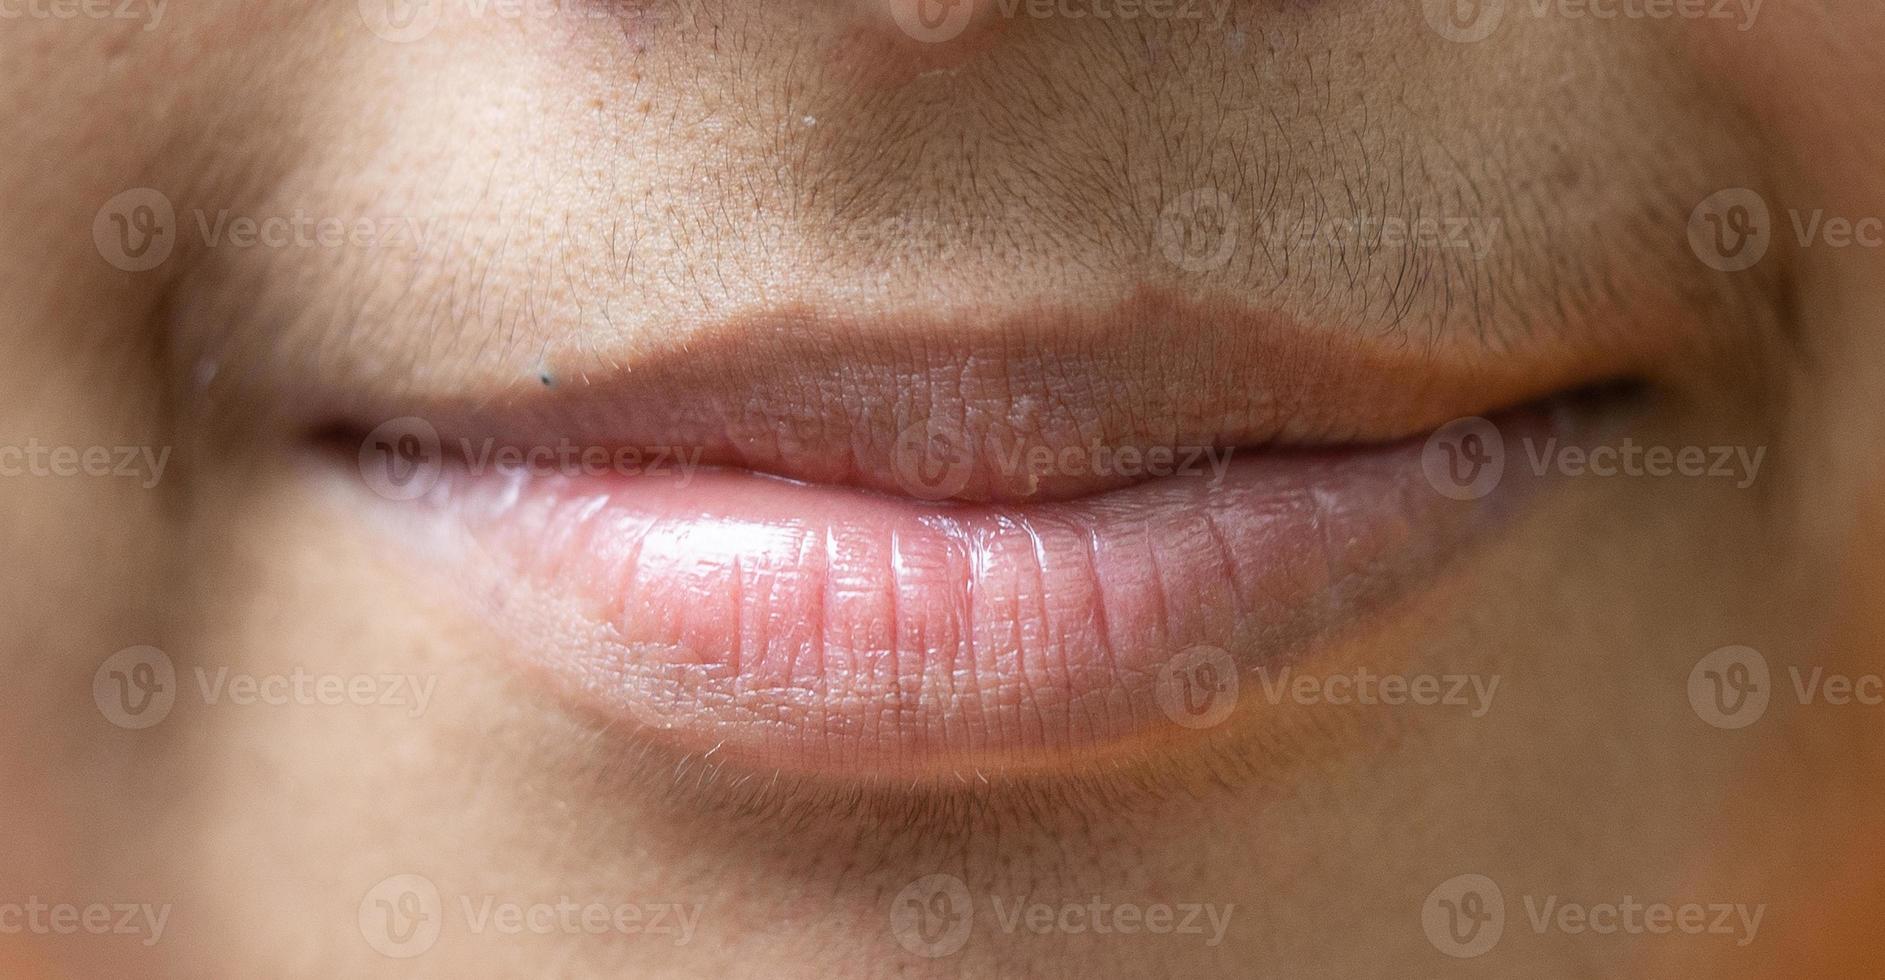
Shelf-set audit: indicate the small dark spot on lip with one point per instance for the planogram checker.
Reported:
(548, 382)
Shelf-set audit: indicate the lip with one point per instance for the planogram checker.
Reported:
(824, 601)
(961, 405)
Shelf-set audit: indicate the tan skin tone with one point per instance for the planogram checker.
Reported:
(814, 156)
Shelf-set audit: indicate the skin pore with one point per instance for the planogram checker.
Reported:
(594, 203)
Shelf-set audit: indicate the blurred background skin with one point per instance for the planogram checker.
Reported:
(262, 828)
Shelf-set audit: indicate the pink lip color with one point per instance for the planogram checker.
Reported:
(825, 628)
(833, 619)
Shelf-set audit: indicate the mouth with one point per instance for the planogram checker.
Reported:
(814, 546)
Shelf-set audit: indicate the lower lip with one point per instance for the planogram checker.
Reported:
(821, 629)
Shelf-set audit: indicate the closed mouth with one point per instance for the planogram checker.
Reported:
(820, 549)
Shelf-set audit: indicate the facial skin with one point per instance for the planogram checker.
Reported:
(632, 203)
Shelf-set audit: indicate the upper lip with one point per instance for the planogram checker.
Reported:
(822, 397)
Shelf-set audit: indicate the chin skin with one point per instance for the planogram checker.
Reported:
(579, 227)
